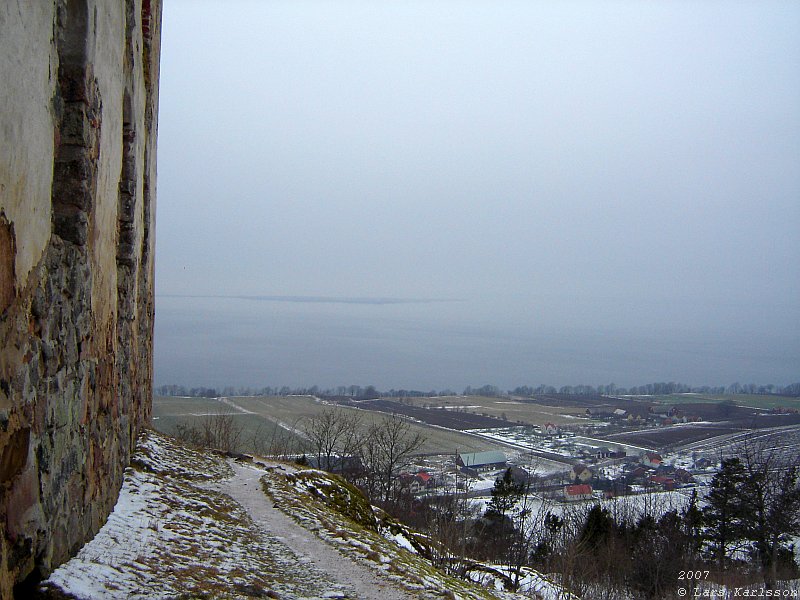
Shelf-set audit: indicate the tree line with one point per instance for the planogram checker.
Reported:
(358, 392)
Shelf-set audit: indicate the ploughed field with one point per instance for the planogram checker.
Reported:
(691, 433)
(591, 401)
(446, 422)
(783, 441)
(449, 418)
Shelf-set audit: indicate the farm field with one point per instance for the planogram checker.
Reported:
(460, 420)
(260, 415)
(515, 410)
(257, 432)
(784, 441)
(293, 408)
(751, 400)
(676, 436)
(475, 424)
(671, 437)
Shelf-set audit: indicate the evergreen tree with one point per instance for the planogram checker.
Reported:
(495, 530)
(692, 519)
(725, 513)
(505, 494)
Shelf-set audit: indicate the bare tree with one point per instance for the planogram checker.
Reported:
(220, 431)
(276, 440)
(771, 503)
(449, 517)
(386, 450)
(332, 434)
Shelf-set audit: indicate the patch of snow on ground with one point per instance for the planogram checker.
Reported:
(169, 537)
(400, 540)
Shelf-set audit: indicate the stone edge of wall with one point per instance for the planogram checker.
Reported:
(78, 131)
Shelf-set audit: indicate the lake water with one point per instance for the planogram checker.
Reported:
(434, 345)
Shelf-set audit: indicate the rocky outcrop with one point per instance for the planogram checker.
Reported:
(78, 123)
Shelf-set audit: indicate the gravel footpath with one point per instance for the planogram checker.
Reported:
(351, 579)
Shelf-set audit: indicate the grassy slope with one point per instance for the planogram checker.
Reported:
(338, 513)
(171, 537)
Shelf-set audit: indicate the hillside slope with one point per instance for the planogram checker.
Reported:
(195, 524)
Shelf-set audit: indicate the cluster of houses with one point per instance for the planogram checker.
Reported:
(645, 472)
(657, 415)
(650, 472)
(470, 464)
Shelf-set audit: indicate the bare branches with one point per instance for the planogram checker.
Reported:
(387, 449)
(220, 431)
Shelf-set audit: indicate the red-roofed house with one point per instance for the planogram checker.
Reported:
(581, 491)
(425, 479)
(652, 459)
(417, 482)
(667, 483)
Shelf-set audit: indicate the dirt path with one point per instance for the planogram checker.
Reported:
(352, 580)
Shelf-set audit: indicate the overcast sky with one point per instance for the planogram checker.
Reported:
(600, 165)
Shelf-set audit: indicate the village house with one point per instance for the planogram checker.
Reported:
(407, 481)
(600, 453)
(482, 461)
(618, 487)
(637, 474)
(550, 429)
(417, 482)
(704, 463)
(574, 493)
(580, 473)
(665, 483)
(521, 475)
(425, 480)
(652, 459)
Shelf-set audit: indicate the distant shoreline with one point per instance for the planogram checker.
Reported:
(320, 299)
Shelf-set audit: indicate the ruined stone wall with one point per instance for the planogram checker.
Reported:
(78, 123)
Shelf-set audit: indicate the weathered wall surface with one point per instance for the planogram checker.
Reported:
(78, 122)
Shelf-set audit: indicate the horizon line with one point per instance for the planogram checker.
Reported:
(377, 300)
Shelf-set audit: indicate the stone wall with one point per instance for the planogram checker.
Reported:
(78, 123)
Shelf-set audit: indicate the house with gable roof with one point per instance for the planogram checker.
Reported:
(577, 492)
(482, 461)
(580, 472)
(652, 459)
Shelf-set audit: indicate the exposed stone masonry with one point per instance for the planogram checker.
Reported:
(78, 124)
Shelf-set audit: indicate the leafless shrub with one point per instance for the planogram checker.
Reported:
(220, 431)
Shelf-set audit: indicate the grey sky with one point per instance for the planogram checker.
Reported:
(592, 165)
